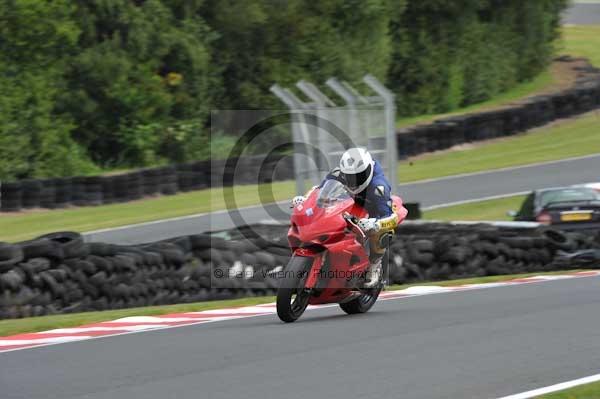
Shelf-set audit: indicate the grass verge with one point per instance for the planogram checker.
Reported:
(35, 324)
(481, 210)
(540, 83)
(22, 226)
(582, 41)
(572, 138)
(588, 391)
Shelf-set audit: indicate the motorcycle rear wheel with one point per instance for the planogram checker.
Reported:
(362, 303)
(292, 297)
(365, 302)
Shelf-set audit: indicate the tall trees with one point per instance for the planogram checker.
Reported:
(98, 84)
(142, 69)
(36, 37)
(457, 52)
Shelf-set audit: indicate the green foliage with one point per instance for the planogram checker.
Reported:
(142, 70)
(493, 44)
(34, 141)
(101, 84)
(268, 41)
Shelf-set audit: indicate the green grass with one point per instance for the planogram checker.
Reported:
(536, 85)
(588, 391)
(482, 210)
(573, 138)
(16, 227)
(43, 323)
(582, 41)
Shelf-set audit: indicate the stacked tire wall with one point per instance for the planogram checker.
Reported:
(126, 187)
(168, 180)
(60, 273)
(430, 252)
(535, 111)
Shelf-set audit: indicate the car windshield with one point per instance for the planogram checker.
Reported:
(332, 193)
(568, 195)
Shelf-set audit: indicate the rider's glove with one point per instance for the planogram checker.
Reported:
(298, 200)
(369, 225)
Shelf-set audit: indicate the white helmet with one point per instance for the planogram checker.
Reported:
(356, 167)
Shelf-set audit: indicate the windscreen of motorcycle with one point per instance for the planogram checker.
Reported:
(332, 193)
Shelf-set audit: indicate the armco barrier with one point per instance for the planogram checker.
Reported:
(168, 180)
(60, 273)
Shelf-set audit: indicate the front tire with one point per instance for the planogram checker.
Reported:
(292, 297)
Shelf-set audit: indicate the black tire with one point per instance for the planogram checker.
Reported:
(265, 258)
(201, 241)
(278, 251)
(102, 249)
(292, 298)
(10, 255)
(41, 248)
(31, 193)
(184, 243)
(11, 280)
(518, 242)
(363, 303)
(35, 265)
(71, 243)
(423, 245)
(421, 258)
(456, 255)
(559, 240)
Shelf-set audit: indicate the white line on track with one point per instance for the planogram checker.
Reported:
(554, 388)
(470, 201)
(175, 219)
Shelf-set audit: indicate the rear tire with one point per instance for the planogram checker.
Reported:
(363, 303)
(292, 298)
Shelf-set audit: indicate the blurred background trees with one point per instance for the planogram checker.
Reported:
(105, 84)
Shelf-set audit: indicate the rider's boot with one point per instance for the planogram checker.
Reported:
(373, 274)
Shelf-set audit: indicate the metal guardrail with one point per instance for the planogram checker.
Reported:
(322, 129)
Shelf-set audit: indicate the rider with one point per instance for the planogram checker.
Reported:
(363, 178)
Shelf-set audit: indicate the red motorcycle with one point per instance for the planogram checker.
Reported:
(330, 254)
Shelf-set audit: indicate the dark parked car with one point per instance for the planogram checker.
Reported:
(565, 208)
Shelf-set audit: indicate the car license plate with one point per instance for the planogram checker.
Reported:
(575, 217)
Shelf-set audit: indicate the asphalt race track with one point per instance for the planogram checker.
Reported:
(583, 14)
(478, 344)
(428, 193)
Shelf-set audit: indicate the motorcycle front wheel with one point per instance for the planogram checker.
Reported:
(292, 297)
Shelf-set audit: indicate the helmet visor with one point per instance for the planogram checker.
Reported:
(354, 181)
